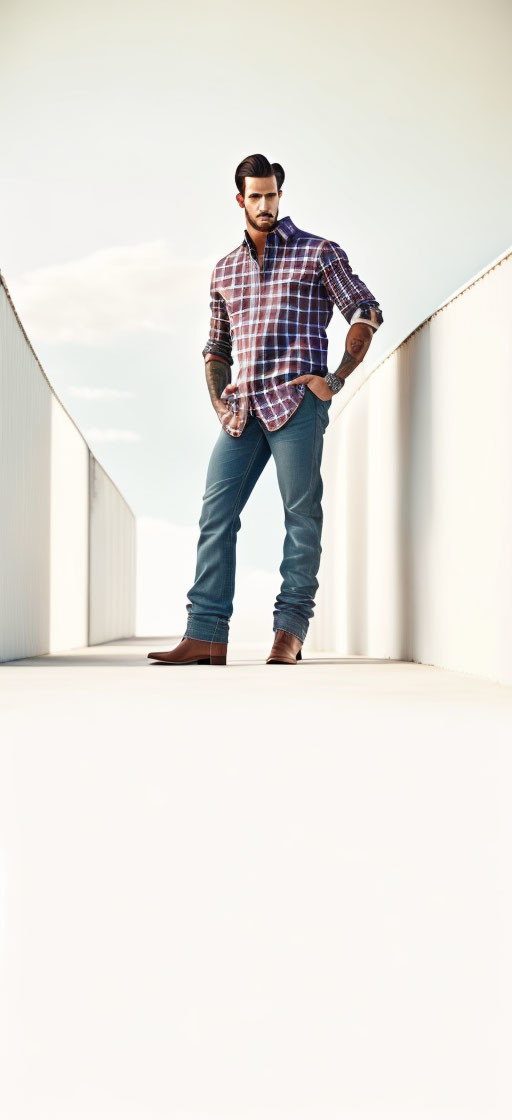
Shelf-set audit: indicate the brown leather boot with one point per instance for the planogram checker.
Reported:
(191, 651)
(286, 649)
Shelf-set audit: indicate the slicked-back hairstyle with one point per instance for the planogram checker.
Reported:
(258, 167)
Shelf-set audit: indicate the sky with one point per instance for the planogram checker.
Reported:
(121, 125)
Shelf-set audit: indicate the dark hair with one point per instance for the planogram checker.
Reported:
(258, 167)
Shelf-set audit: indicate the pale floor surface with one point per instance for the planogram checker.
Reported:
(253, 892)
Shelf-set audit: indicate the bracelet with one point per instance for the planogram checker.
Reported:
(334, 382)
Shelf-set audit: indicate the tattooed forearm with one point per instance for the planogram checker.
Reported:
(357, 343)
(217, 377)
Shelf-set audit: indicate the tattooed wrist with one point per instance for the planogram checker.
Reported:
(347, 364)
(217, 377)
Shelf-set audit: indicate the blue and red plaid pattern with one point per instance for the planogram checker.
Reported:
(276, 317)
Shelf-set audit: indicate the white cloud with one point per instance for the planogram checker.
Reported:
(110, 292)
(86, 393)
(166, 562)
(111, 435)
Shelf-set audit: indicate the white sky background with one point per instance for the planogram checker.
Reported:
(121, 125)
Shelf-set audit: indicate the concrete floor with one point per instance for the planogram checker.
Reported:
(253, 892)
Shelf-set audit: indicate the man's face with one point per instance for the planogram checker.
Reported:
(261, 202)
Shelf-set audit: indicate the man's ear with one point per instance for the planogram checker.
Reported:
(240, 199)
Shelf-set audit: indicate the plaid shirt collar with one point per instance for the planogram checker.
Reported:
(285, 229)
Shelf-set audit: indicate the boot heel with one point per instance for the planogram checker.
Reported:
(218, 659)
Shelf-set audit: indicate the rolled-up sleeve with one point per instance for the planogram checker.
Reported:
(355, 301)
(219, 342)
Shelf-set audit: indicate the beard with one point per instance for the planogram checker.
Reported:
(256, 225)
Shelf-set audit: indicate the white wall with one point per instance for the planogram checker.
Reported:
(67, 570)
(112, 559)
(417, 469)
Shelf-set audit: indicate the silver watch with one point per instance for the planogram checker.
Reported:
(334, 382)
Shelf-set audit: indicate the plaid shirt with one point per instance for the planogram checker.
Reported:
(277, 317)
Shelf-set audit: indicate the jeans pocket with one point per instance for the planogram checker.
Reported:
(323, 413)
(317, 398)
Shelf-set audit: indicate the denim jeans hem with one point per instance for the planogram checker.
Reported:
(291, 625)
(217, 635)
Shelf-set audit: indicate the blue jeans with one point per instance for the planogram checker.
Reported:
(234, 468)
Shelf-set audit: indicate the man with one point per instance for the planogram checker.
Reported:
(273, 297)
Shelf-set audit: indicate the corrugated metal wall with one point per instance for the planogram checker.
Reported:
(67, 536)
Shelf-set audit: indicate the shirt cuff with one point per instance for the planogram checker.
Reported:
(217, 350)
(369, 315)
